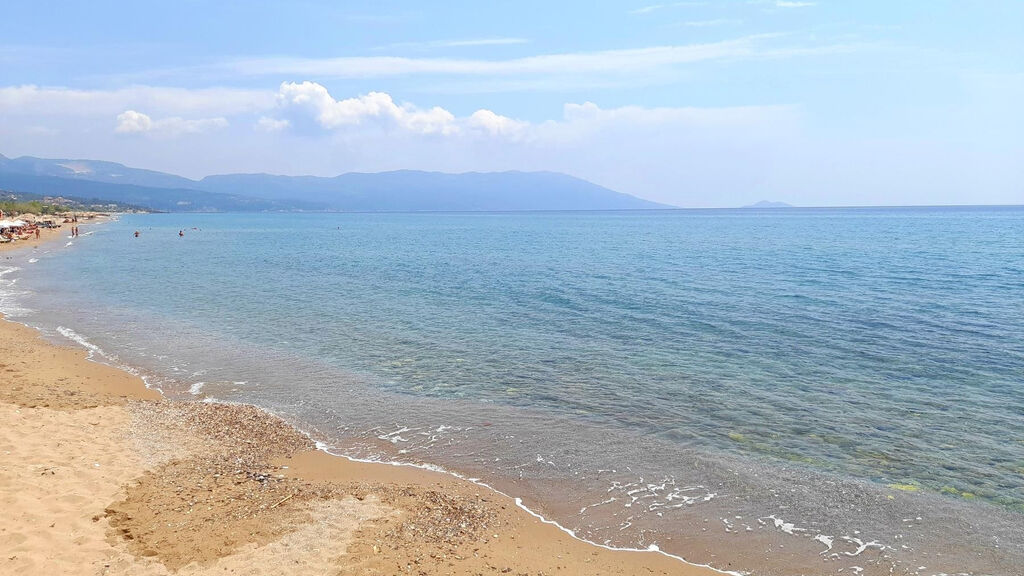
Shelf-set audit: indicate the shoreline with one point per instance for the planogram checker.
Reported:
(46, 236)
(826, 540)
(59, 385)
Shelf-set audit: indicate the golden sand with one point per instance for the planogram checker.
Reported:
(45, 235)
(99, 475)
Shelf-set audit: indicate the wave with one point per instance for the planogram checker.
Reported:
(11, 298)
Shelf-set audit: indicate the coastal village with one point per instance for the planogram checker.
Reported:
(31, 217)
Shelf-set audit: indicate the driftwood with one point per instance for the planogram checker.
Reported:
(283, 500)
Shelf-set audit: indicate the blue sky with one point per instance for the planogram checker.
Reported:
(702, 103)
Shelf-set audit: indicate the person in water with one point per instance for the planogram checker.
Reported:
(181, 233)
(136, 233)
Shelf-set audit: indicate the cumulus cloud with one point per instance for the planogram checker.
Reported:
(496, 124)
(311, 104)
(309, 100)
(134, 122)
(376, 108)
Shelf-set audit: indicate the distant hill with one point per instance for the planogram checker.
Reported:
(402, 190)
(159, 199)
(413, 190)
(93, 171)
(39, 204)
(769, 204)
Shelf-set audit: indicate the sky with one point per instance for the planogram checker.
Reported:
(695, 104)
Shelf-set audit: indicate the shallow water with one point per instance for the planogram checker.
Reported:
(710, 381)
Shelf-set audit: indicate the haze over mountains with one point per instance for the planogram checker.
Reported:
(403, 190)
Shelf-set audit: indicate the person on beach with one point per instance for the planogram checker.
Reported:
(37, 233)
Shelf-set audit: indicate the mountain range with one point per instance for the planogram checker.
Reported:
(401, 190)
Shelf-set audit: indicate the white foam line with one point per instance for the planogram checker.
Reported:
(9, 297)
(653, 548)
(787, 527)
(95, 351)
(81, 341)
(826, 540)
(862, 546)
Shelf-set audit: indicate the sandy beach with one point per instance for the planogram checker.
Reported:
(46, 235)
(100, 475)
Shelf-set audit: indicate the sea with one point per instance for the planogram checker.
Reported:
(767, 391)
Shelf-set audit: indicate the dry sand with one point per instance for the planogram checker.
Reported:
(99, 475)
(45, 235)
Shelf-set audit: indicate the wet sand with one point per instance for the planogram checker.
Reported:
(99, 475)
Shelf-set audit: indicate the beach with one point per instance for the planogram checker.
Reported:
(46, 235)
(628, 429)
(101, 475)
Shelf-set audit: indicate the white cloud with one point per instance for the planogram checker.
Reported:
(309, 100)
(629, 62)
(376, 114)
(496, 124)
(299, 106)
(133, 122)
(268, 124)
(640, 116)
(684, 155)
(374, 107)
(791, 4)
(56, 101)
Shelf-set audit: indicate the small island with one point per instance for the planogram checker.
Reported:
(769, 204)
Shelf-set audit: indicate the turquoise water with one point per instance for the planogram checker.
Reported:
(877, 347)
